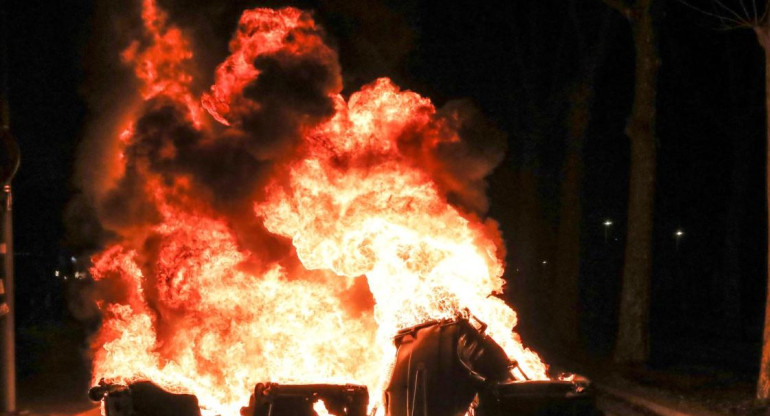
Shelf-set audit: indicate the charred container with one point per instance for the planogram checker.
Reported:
(142, 399)
(272, 399)
(446, 368)
(440, 367)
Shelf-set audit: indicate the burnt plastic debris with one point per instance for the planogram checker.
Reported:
(142, 398)
(298, 399)
(444, 367)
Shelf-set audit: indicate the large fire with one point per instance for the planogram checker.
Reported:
(272, 230)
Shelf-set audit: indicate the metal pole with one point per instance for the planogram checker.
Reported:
(9, 344)
(9, 163)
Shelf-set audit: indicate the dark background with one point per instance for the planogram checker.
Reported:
(516, 60)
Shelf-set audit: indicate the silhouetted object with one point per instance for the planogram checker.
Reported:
(271, 399)
(143, 399)
(440, 366)
(538, 398)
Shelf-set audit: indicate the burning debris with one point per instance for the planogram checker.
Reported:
(447, 368)
(307, 400)
(272, 229)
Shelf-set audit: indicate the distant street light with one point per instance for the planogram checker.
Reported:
(678, 234)
(607, 224)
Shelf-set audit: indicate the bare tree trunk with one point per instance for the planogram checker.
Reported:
(632, 343)
(568, 239)
(763, 383)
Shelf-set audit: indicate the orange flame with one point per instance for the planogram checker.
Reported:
(163, 65)
(320, 408)
(231, 328)
(386, 220)
(192, 307)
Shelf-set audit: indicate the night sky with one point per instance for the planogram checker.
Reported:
(515, 60)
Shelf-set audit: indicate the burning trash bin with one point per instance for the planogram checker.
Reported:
(444, 368)
(440, 366)
(142, 398)
(272, 399)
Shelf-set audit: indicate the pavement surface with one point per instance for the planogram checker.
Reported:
(620, 402)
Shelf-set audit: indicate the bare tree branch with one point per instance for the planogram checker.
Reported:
(735, 21)
(726, 24)
(745, 10)
(736, 16)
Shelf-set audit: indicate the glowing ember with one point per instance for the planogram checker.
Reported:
(201, 290)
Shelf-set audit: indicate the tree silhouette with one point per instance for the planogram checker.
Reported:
(633, 325)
